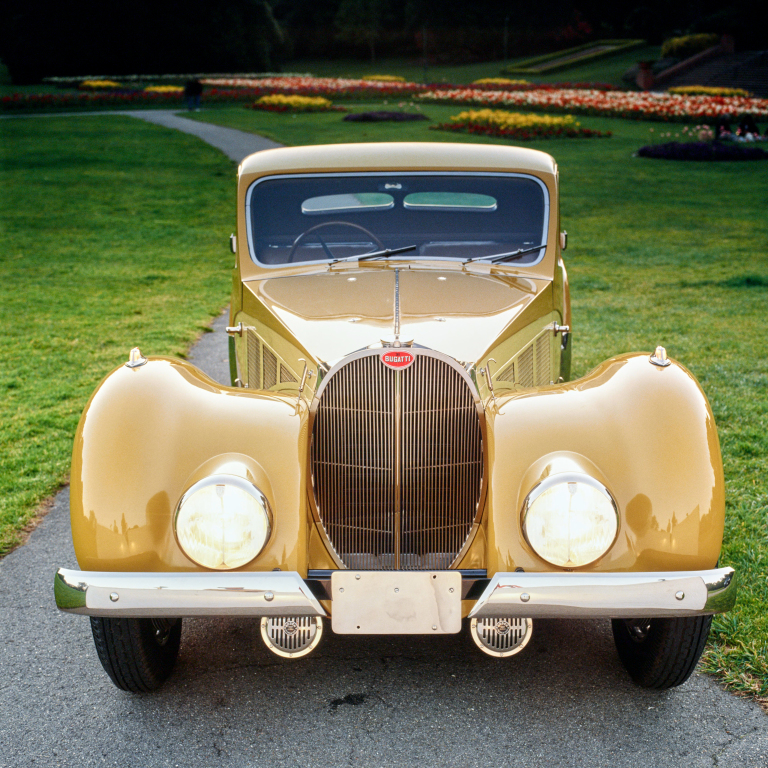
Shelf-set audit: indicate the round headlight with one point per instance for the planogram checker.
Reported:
(570, 520)
(222, 522)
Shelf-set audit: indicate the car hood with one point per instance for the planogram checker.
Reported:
(455, 312)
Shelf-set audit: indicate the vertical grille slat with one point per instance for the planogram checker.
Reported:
(387, 503)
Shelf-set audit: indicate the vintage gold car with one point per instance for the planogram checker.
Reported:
(402, 449)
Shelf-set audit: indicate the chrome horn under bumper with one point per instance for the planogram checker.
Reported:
(148, 595)
(607, 595)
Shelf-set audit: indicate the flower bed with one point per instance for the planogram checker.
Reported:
(23, 102)
(334, 87)
(625, 104)
(565, 97)
(499, 81)
(279, 102)
(514, 125)
(385, 78)
(706, 90)
(492, 84)
(164, 89)
(100, 85)
(702, 150)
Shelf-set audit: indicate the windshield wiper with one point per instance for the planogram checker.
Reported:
(506, 256)
(384, 254)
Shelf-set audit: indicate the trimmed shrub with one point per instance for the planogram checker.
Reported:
(688, 45)
(702, 150)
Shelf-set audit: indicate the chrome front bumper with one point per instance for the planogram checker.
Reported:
(607, 595)
(525, 595)
(147, 595)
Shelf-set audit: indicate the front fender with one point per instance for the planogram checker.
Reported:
(148, 433)
(646, 432)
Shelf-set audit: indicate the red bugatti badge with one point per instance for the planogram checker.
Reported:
(397, 358)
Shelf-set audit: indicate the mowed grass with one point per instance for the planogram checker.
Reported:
(114, 234)
(606, 70)
(659, 252)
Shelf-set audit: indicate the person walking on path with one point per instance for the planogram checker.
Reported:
(193, 92)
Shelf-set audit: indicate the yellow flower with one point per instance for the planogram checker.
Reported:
(706, 90)
(499, 81)
(164, 89)
(385, 78)
(298, 103)
(502, 119)
(98, 84)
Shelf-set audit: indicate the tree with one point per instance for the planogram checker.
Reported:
(90, 37)
(362, 22)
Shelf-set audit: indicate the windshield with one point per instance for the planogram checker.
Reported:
(445, 216)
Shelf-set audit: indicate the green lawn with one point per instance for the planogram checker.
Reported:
(660, 252)
(607, 70)
(114, 234)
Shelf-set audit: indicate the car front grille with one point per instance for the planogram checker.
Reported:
(397, 462)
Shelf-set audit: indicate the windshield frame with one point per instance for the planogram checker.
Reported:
(368, 174)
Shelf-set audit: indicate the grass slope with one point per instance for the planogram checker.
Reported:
(661, 252)
(113, 235)
(607, 70)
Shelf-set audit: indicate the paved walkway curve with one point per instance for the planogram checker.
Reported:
(377, 701)
(233, 143)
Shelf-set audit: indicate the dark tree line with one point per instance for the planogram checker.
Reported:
(77, 37)
(459, 31)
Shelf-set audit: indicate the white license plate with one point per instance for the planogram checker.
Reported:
(396, 602)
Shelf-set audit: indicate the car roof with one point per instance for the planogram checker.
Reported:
(398, 156)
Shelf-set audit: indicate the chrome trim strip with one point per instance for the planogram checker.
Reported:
(416, 350)
(608, 595)
(398, 465)
(147, 595)
(397, 307)
(530, 176)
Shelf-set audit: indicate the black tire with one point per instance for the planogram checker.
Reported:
(661, 653)
(137, 654)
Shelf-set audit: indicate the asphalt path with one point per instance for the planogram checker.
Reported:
(356, 701)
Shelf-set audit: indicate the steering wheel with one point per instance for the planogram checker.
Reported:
(297, 242)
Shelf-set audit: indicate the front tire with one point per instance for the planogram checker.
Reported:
(661, 653)
(137, 654)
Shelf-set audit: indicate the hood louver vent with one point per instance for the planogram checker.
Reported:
(532, 366)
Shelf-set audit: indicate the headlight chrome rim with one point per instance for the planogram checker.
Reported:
(241, 484)
(562, 479)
